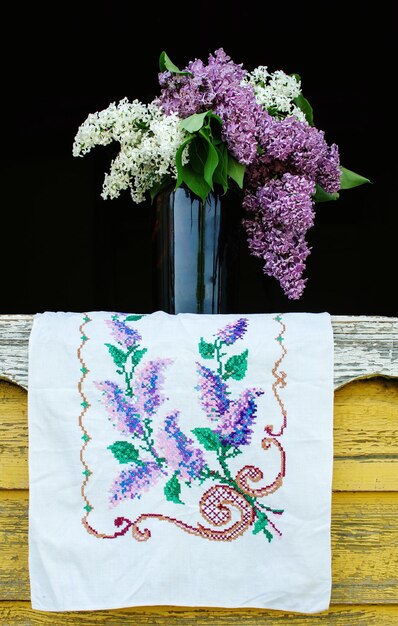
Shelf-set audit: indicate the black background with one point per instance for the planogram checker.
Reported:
(64, 248)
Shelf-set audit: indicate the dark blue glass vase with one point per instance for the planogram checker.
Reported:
(196, 252)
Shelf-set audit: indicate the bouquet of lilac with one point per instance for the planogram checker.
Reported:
(214, 126)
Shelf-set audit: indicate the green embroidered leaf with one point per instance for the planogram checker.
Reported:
(349, 179)
(236, 366)
(166, 64)
(209, 439)
(194, 122)
(125, 452)
(119, 357)
(261, 523)
(133, 318)
(206, 349)
(321, 195)
(235, 170)
(303, 104)
(172, 490)
(137, 356)
(269, 535)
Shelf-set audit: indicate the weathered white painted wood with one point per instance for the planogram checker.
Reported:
(364, 347)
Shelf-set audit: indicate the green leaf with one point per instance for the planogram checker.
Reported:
(209, 439)
(125, 452)
(297, 77)
(172, 490)
(206, 349)
(220, 173)
(235, 170)
(137, 356)
(349, 179)
(303, 104)
(261, 523)
(196, 183)
(166, 64)
(321, 195)
(133, 318)
(179, 165)
(158, 187)
(119, 357)
(236, 366)
(194, 122)
(211, 164)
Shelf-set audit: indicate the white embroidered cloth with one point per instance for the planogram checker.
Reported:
(180, 460)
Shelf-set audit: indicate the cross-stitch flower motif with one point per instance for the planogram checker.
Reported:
(122, 411)
(133, 482)
(232, 332)
(214, 393)
(234, 426)
(147, 386)
(178, 449)
(122, 333)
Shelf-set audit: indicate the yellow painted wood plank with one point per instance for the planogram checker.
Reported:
(364, 540)
(20, 613)
(13, 437)
(365, 436)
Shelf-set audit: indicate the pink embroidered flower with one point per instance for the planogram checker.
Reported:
(178, 449)
(147, 385)
(232, 332)
(235, 425)
(213, 389)
(123, 334)
(122, 411)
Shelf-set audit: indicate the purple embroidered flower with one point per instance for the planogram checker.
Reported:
(213, 389)
(233, 331)
(133, 482)
(178, 449)
(123, 412)
(146, 387)
(234, 426)
(123, 334)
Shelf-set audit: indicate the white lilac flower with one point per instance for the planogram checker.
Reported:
(148, 140)
(276, 91)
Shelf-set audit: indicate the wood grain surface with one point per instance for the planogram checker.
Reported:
(363, 347)
(12, 613)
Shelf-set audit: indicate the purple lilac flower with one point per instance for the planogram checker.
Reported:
(133, 482)
(232, 332)
(213, 389)
(123, 412)
(296, 147)
(329, 170)
(147, 384)
(123, 334)
(287, 147)
(282, 213)
(235, 424)
(218, 86)
(178, 449)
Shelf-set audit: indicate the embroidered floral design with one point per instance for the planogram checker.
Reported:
(157, 450)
